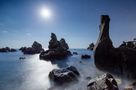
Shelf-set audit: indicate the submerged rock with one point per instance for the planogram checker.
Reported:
(7, 49)
(85, 56)
(57, 49)
(115, 59)
(91, 46)
(36, 48)
(104, 82)
(65, 75)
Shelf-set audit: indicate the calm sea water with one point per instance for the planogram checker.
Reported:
(32, 73)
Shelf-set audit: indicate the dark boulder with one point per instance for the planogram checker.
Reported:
(57, 49)
(107, 57)
(36, 48)
(91, 46)
(65, 75)
(54, 54)
(85, 56)
(75, 53)
(104, 82)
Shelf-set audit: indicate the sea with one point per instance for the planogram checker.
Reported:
(32, 73)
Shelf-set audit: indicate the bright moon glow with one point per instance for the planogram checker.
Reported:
(45, 13)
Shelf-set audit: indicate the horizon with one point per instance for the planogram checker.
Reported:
(77, 21)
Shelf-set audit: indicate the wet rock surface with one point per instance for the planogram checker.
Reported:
(57, 49)
(34, 49)
(65, 75)
(115, 59)
(104, 82)
(7, 49)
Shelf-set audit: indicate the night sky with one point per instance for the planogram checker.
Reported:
(75, 20)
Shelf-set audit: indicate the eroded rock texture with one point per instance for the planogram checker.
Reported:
(104, 82)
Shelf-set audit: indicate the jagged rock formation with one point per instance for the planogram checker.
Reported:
(129, 44)
(65, 75)
(63, 44)
(53, 43)
(104, 82)
(91, 46)
(7, 49)
(36, 48)
(115, 59)
(57, 49)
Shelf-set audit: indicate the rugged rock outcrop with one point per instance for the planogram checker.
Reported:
(104, 82)
(57, 49)
(85, 56)
(65, 75)
(129, 44)
(36, 48)
(91, 46)
(7, 49)
(107, 57)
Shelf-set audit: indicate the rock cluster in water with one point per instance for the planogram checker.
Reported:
(65, 75)
(107, 57)
(7, 49)
(91, 46)
(57, 49)
(34, 49)
(104, 82)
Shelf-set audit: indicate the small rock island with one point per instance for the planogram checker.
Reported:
(7, 49)
(35, 49)
(57, 49)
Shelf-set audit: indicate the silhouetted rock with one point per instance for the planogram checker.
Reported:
(53, 43)
(107, 57)
(104, 82)
(75, 53)
(65, 75)
(91, 46)
(57, 49)
(7, 49)
(85, 56)
(36, 48)
(13, 50)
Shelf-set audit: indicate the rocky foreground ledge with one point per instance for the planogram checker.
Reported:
(57, 49)
(108, 57)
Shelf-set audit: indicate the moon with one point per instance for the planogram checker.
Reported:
(45, 13)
